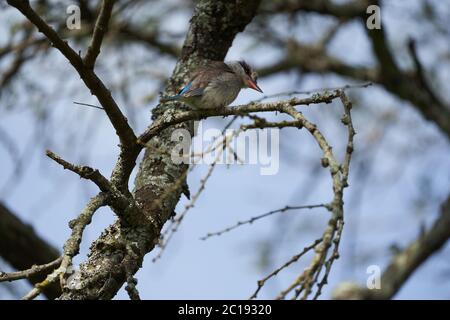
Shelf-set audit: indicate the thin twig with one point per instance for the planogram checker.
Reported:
(88, 105)
(173, 228)
(34, 270)
(295, 258)
(253, 219)
(328, 264)
(101, 26)
(175, 223)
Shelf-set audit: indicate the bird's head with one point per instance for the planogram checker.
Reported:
(248, 76)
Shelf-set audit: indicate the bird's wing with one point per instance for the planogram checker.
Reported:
(203, 77)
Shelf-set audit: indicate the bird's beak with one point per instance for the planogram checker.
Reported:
(252, 85)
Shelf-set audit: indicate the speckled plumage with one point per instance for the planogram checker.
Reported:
(216, 85)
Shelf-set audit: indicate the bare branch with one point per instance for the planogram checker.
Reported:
(131, 289)
(130, 33)
(347, 121)
(100, 29)
(33, 271)
(242, 110)
(95, 85)
(30, 250)
(253, 219)
(295, 258)
(334, 256)
(348, 10)
(88, 105)
(83, 171)
(421, 73)
(71, 247)
(304, 283)
(315, 59)
(405, 84)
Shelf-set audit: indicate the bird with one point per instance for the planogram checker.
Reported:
(216, 85)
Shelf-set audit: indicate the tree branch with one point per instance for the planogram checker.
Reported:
(404, 84)
(294, 259)
(130, 33)
(303, 284)
(101, 26)
(83, 171)
(22, 248)
(243, 110)
(71, 247)
(95, 85)
(32, 272)
(261, 216)
(348, 10)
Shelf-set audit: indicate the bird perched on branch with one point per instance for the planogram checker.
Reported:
(216, 85)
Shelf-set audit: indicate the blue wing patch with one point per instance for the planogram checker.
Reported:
(185, 89)
(188, 91)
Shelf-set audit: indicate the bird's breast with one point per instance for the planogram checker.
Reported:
(220, 93)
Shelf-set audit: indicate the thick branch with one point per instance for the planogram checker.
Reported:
(408, 86)
(129, 33)
(22, 248)
(314, 59)
(347, 10)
